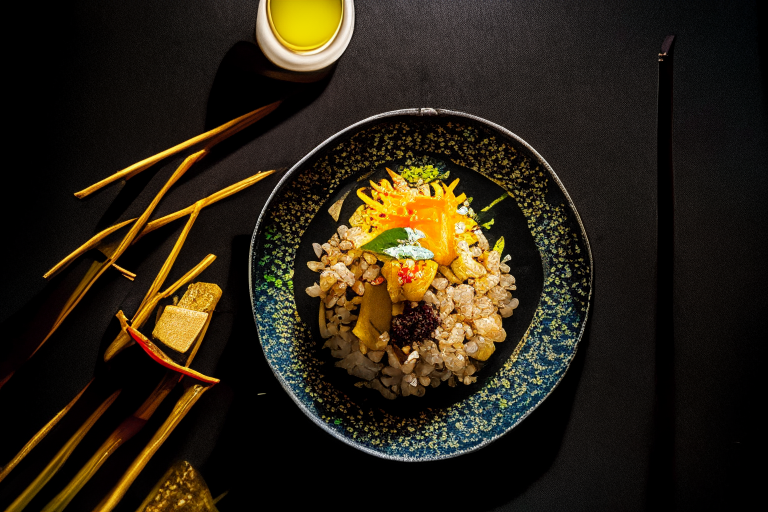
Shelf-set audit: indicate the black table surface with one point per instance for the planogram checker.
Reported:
(94, 86)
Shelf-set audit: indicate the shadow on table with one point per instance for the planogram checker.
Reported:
(131, 372)
(761, 13)
(507, 467)
(244, 81)
(268, 446)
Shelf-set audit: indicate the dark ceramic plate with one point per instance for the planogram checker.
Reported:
(551, 262)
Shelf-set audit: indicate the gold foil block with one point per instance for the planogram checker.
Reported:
(179, 327)
(181, 488)
(201, 297)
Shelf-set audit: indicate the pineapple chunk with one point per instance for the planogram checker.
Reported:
(375, 317)
(408, 279)
(465, 266)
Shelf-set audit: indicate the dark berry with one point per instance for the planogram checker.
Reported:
(414, 324)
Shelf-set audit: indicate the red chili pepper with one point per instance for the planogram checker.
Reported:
(405, 275)
(159, 357)
(378, 280)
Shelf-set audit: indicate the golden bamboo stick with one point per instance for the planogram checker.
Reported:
(40, 435)
(126, 273)
(87, 246)
(130, 427)
(97, 269)
(135, 229)
(191, 395)
(213, 137)
(141, 222)
(168, 263)
(145, 409)
(61, 457)
(189, 276)
(213, 198)
(155, 224)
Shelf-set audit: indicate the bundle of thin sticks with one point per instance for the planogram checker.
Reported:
(137, 228)
(193, 389)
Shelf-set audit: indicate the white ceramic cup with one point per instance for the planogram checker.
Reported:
(282, 57)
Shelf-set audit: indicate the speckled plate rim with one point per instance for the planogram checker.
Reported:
(419, 112)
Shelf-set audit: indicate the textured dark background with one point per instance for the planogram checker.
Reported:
(94, 86)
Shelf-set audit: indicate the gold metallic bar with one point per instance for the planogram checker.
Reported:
(179, 327)
(201, 297)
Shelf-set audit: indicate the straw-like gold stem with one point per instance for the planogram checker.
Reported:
(191, 395)
(213, 137)
(213, 198)
(61, 457)
(169, 261)
(127, 429)
(123, 340)
(155, 224)
(133, 424)
(87, 246)
(86, 284)
(40, 435)
(127, 274)
(135, 229)
(95, 271)
(141, 222)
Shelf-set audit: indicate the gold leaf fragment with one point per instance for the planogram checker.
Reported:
(335, 209)
(179, 327)
(201, 297)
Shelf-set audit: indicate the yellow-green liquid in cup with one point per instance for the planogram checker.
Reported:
(306, 24)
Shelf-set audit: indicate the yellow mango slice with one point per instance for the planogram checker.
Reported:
(375, 317)
(408, 279)
(424, 274)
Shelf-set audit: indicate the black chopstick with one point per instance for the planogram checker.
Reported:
(661, 482)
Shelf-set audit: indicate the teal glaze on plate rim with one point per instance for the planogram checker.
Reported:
(539, 360)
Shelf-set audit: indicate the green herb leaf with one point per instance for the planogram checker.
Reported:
(426, 173)
(389, 238)
(399, 241)
(485, 215)
(499, 245)
(496, 201)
